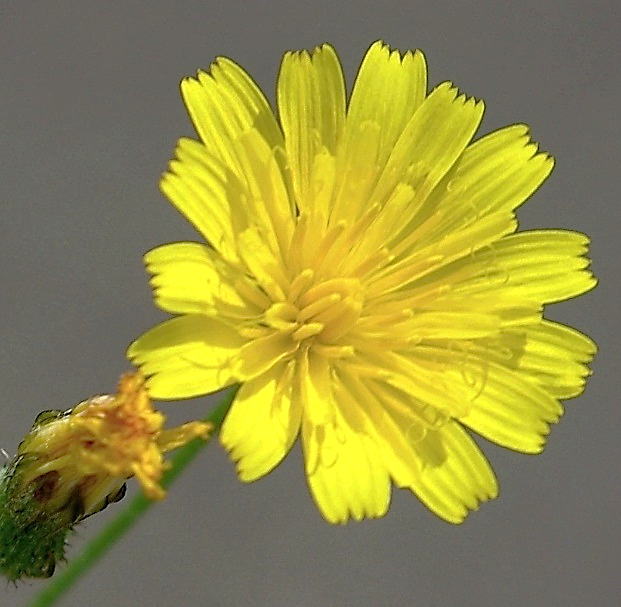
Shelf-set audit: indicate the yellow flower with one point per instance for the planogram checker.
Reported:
(363, 281)
(88, 452)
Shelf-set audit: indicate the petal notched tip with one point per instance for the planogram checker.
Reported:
(382, 48)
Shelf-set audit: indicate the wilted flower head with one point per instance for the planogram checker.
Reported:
(363, 281)
(73, 464)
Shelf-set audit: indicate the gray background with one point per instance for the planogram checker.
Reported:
(89, 115)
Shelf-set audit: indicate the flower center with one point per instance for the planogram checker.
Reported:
(319, 312)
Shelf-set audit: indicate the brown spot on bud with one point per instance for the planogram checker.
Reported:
(45, 485)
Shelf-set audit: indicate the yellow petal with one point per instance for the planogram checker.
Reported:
(457, 477)
(197, 184)
(540, 265)
(509, 409)
(419, 372)
(189, 278)
(496, 173)
(186, 356)
(262, 423)
(535, 267)
(260, 354)
(389, 88)
(422, 266)
(452, 325)
(350, 479)
(370, 408)
(433, 140)
(549, 354)
(357, 172)
(263, 263)
(311, 106)
(502, 305)
(224, 103)
(260, 197)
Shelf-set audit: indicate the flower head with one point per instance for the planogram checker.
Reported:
(102, 442)
(364, 282)
(73, 464)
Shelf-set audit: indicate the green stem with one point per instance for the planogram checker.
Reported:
(99, 545)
